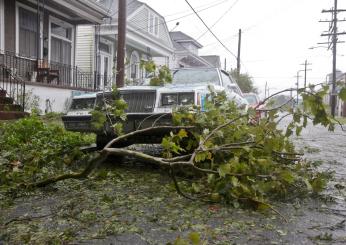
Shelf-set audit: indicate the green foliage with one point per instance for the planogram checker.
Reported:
(163, 77)
(110, 111)
(245, 82)
(249, 164)
(32, 150)
(342, 94)
(160, 76)
(193, 238)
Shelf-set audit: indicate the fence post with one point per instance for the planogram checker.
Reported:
(23, 102)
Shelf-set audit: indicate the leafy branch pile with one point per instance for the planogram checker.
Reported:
(222, 153)
(32, 149)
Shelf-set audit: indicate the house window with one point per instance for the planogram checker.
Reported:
(104, 48)
(28, 33)
(61, 38)
(2, 26)
(153, 24)
(134, 67)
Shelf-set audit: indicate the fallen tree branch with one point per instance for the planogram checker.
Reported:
(29, 218)
(94, 163)
(146, 130)
(212, 133)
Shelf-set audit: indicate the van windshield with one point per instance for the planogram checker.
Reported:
(196, 76)
(83, 104)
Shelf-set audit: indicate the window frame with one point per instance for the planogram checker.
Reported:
(2, 26)
(137, 65)
(62, 23)
(152, 17)
(20, 5)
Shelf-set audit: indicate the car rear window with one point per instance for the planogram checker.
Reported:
(196, 76)
(251, 99)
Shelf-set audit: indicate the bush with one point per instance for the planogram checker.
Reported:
(32, 149)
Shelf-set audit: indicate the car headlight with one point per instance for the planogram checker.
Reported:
(169, 99)
(186, 99)
(177, 99)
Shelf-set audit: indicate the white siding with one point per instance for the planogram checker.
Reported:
(163, 33)
(85, 48)
(59, 98)
(140, 20)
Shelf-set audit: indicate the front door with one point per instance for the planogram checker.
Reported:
(105, 74)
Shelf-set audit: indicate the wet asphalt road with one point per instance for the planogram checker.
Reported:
(311, 221)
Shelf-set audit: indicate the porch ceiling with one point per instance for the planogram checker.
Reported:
(79, 11)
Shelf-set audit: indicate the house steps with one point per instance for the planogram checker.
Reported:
(9, 110)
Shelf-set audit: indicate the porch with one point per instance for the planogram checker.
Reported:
(48, 73)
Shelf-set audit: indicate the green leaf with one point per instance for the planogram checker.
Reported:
(305, 122)
(234, 181)
(224, 169)
(195, 238)
(298, 130)
(182, 134)
(287, 176)
(342, 94)
(180, 241)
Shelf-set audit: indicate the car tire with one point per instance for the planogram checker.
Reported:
(103, 139)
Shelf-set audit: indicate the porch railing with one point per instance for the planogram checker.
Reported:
(14, 86)
(53, 73)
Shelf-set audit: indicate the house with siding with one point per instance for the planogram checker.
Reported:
(340, 107)
(186, 52)
(38, 50)
(147, 37)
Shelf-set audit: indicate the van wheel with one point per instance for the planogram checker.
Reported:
(103, 139)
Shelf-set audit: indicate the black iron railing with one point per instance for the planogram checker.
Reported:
(14, 86)
(53, 73)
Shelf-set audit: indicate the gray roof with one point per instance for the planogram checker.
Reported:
(179, 37)
(214, 60)
(178, 46)
(193, 61)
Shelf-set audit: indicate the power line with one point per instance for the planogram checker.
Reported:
(223, 45)
(212, 4)
(220, 18)
(168, 21)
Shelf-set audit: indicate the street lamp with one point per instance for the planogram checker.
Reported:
(315, 47)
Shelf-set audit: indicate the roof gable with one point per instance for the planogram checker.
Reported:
(180, 37)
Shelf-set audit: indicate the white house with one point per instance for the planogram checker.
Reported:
(38, 49)
(147, 37)
(186, 52)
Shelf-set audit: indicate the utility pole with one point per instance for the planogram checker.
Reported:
(333, 32)
(306, 64)
(298, 76)
(120, 76)
(225, 68)
(238, 57)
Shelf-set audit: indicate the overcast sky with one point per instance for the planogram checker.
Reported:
(277, 35)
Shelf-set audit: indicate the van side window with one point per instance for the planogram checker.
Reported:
(225, 79)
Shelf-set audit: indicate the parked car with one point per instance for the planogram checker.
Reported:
(252, 99)
(151, 104)
(254, 102)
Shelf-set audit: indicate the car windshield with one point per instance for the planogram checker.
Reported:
(196, 76)
(251, 99)
(83, 104)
